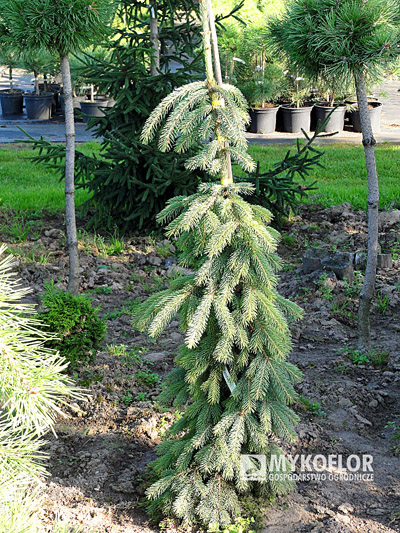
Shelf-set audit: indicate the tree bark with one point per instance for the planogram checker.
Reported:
(154, 41)
(368, 289)
(70, 219)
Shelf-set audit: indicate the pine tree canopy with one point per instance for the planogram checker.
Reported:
(339, 38)
(33, 388)
(237, 337)
(60, 26)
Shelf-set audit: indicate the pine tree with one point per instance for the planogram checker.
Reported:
(348, 41)
(33, 388)
(61, 27)
(232, 378)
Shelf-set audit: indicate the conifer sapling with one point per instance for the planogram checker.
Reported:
(232, 379)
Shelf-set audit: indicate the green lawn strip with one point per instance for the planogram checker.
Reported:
(344, 178)
(25, 186)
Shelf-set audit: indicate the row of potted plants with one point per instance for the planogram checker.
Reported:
(47, 96)
(42, 104)
(290, 118)
(280, 98)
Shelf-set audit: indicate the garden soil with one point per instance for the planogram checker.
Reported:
(347, 404)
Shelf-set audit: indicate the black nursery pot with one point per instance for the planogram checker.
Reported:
(375, 111)
(39, 107)
(263, 119)
(12, 102)
(76, 102)
(296, 118)
(320, 113)
(93, 109)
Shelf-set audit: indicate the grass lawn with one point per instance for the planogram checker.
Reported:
(344, 178)
(25, 186)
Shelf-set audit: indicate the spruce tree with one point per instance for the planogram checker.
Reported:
(232, 379)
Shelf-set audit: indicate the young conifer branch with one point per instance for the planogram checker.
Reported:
(33, 389)
(210, 113)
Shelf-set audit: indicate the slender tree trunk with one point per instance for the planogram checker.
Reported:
(154, 41)
(70, 219)
(10, 74)
(228, 178)
(368, 289)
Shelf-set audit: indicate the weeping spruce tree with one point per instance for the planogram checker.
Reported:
(350, 40)
(232, 379)
(60, 27)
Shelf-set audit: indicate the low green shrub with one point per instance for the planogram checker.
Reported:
(78, 328)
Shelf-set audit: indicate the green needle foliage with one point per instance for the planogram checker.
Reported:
(61, 26)
(339, 40)
(232, 376)
(33, 389)
(198, 112)
(232, 379)
(79, 329)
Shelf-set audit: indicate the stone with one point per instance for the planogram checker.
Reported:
(345, 402)
(176, 337)
(388, 374)
(385, 261)
(155, 357)
(362, 420)
(123, 486)
(341, 263)
(339, 212)
(154, 260)
(171, 261)
(54, 233)
(346, 508)
(389, 218)
(373, 403)
(312, 259)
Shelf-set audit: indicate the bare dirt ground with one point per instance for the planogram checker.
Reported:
(348, 405)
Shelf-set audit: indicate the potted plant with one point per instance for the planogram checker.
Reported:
(39, 103)
(11, 99)
(330, 105)
(97, 103)
(94, 107)
(375, 112)
(262, 93)
(296, 115)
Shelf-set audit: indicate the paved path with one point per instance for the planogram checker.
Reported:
(53, 130)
